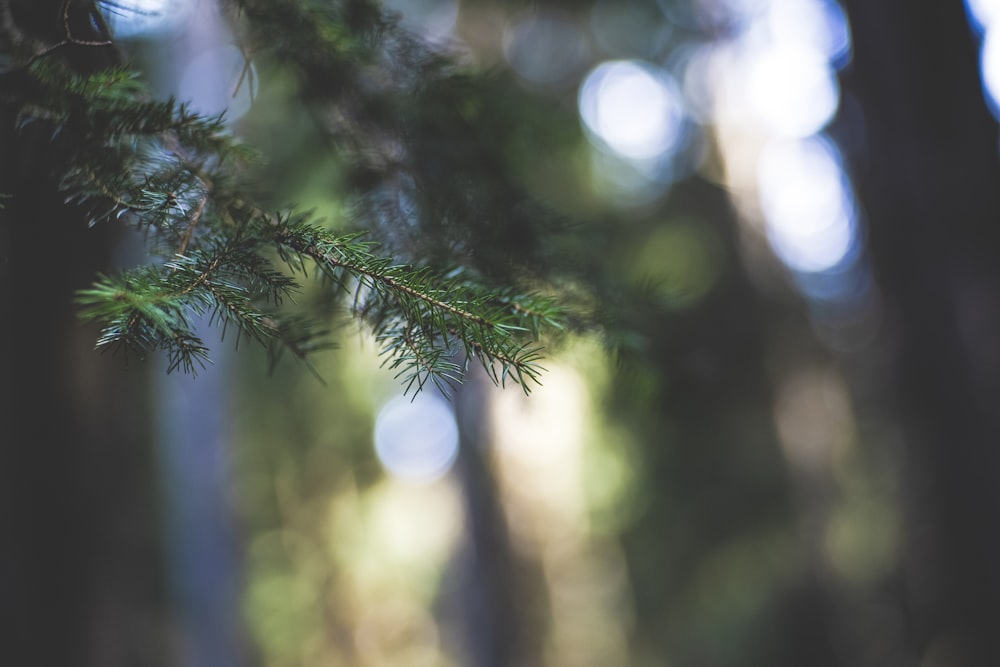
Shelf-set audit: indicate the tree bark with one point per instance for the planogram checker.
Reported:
(928, 180)
(79, 558)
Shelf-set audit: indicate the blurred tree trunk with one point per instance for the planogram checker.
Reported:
(497, 589)
(79, 563)
(929, 180)
(488, 608)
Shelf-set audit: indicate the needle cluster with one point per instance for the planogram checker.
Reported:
(185, 181)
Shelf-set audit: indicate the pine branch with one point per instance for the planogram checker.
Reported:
(181, 178)
(418, 314)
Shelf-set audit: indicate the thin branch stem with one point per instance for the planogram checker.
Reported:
(70, 39)
(415, 350)
(328, 258)
(193, 223)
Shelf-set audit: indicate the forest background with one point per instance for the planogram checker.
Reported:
(765, 432)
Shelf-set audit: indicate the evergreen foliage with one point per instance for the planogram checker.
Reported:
(218, 249)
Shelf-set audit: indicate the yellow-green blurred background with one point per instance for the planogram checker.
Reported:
(721, 477)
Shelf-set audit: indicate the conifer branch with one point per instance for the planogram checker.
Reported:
(177, 176)
(417, 314)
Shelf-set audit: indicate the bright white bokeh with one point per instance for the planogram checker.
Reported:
(416, 440)
(792, 89)
(700, 81)
(807, 205)
(817, 24)
(989, 66)
(544, 48)
(983, 13)
(633, 108)
(137, 18)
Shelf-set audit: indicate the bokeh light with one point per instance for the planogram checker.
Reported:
(817, 24)
(989, 64)
(810, 212)
(793, 90)
(542, 448)
(699, 80)
(983, 13)
(139, 18)
(814, 420)
(416, 440)
(545, 48)
(633, 108)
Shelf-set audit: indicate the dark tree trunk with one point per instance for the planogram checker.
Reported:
(929, 180)
(493, 603)
(79, 563)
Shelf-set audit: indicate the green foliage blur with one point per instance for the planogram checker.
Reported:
(706, 474)
(689, 486)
